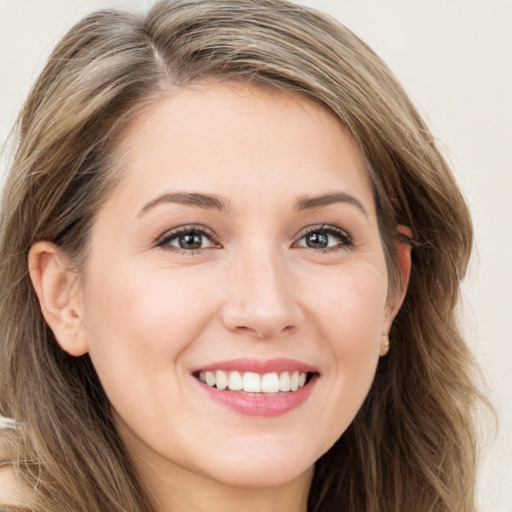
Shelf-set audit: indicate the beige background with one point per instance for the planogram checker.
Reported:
(455, 59)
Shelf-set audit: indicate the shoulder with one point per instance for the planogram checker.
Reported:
(12, 493)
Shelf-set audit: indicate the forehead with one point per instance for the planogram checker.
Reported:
(233, 138)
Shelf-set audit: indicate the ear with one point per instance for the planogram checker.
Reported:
(395, 300)
(57, 289)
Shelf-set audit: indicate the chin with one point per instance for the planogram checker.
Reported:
(253, 476)
(261, 467)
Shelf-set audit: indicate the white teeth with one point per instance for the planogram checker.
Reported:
(270, 383)
(284, 381)
(252, 382)
(221, 380)
(210, 378)
(235, 381)
(294, 381)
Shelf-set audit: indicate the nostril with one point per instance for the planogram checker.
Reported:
(264, 332)
(246, 330)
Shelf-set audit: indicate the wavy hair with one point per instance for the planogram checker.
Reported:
(412, 446)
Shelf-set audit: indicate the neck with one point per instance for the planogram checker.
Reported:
(173, 487)
(190, 492)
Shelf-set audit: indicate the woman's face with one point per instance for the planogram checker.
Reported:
(241, 247)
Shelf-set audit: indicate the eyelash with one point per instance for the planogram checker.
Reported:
(165, 239)
(346, 240)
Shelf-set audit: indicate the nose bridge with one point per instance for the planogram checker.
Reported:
(265, 276)
(261, 299)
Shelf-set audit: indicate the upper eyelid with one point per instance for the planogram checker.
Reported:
(323, 227)
(346, 240)
(215, 239)
(185, 228)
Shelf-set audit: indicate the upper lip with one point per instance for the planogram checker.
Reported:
(258, 366)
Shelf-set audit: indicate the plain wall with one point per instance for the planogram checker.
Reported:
(455, 59)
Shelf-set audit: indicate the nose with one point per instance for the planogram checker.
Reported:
(261, 301)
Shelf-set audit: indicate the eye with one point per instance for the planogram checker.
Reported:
(324, 238)
(187, 238)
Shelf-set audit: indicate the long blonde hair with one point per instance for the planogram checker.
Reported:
(412, 445)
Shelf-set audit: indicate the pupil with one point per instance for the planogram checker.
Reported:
(317, 240)
(190, 241)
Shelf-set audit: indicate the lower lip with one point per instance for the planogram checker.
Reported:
(260, 405)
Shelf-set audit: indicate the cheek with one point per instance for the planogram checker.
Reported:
(352, 309)
(148, 307)
(137, 324)
(351, 312)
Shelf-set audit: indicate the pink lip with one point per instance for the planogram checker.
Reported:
(255, 404)
(259, 366)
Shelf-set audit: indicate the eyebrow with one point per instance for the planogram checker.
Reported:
(205, 201)
(212, 202)
(309, 203)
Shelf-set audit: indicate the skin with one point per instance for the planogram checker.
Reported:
(148, 314)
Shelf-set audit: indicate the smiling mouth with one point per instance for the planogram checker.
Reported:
(253, 383)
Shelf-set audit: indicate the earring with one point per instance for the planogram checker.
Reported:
(384, 346)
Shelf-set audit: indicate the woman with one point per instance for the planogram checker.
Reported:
(209, 296)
